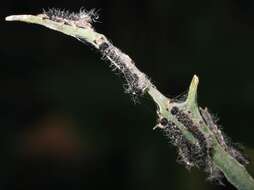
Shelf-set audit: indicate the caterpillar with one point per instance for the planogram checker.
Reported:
(136, 81)
(200, 155)
(223, 140)
(179, 141)
(83, 18)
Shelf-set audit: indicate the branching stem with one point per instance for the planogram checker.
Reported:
(191, 129)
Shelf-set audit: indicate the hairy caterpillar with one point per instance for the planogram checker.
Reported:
(81, 19)
(179, 141)
(224, 141)
(136, 81)
(200, 155)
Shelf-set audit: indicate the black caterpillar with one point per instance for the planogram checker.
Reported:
(179, 141)
(123, 63)
(200, 154)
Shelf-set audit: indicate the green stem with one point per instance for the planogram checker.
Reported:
(233, 170)
(226, 163)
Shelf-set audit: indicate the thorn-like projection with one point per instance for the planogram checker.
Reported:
(191, 100)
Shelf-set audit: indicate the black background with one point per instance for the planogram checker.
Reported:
(64, 118)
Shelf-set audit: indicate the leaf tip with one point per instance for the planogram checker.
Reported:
(9, 18)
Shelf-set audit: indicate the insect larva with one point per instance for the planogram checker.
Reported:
(200, 154)
(81, 19)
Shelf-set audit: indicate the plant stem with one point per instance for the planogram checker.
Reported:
(196, 133)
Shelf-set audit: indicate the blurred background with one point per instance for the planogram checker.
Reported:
(65, 122)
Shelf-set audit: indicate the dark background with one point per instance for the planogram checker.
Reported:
(65, 122)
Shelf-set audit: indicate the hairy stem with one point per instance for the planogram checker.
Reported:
(190, 128)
